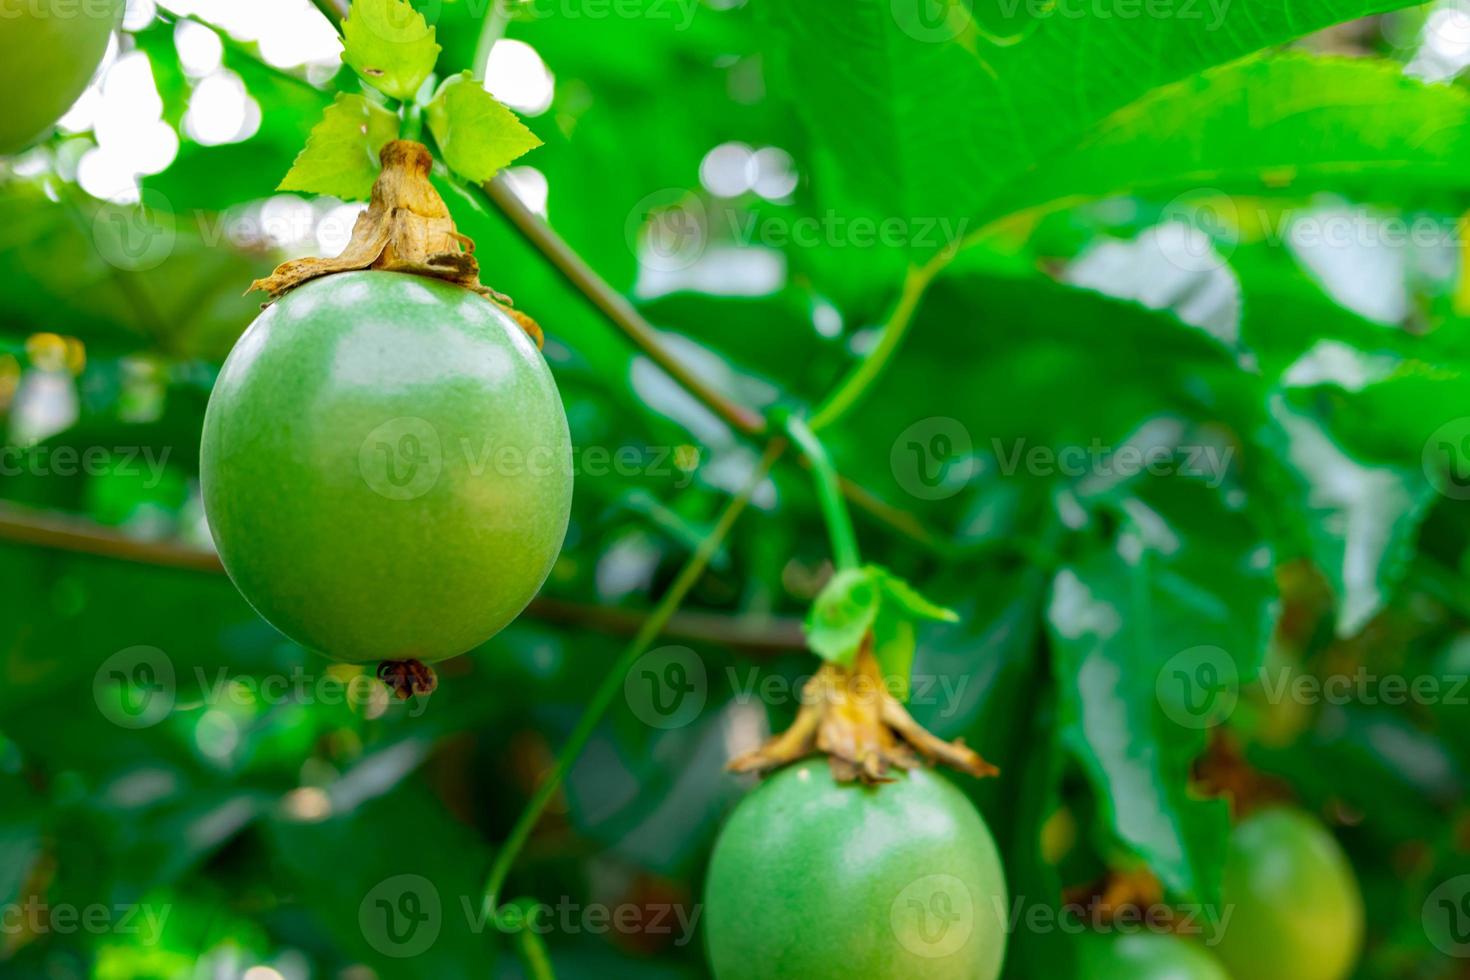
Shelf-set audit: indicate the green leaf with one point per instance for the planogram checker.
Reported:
(1291, 121)
(390, 45)
(1185, 595)
(842, 615)
(1361, 519)
(927, 117)
(341, 156)
(906, 598)
(477, 135)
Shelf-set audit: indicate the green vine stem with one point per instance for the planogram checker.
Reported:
(856, 384)
(332, 10)
(613, 682)
(829, 493)
(534, 955)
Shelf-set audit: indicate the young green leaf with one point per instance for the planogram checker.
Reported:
(341, 155)
(842, 615)
(390, 45)
(904, 597)
(476, 134)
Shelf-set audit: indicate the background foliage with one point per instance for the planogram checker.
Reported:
(1230, 240)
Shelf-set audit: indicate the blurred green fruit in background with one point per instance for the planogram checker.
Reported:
(1295, 909)
(49, 50)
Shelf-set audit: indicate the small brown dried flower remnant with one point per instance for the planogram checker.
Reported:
(407, 678)
(406, 228)
(851, 716)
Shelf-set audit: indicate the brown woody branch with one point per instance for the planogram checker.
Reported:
(623, 315)
(65, 532)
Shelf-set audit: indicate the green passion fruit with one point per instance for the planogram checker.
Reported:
(386, 467)
(1144, 956)
(49, 51)
(815, 879)
(1295, 909)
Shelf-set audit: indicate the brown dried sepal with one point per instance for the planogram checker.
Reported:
(406, 678)
(849, 715)
(406, 228)
(1223, 771)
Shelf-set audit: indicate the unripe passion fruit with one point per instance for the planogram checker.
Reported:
(815, 879)
(1144, 956)
(1296, 912)
(386, 467)
(49, 51)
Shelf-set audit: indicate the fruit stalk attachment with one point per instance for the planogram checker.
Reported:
(406, 228)
(850, 715)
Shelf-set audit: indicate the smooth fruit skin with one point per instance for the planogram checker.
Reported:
(813, 880)
(386, 467)
(1295, 909)
(49, 51)
(1144, 956)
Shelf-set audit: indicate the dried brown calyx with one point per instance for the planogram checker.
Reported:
(406, 228)
(850, 715)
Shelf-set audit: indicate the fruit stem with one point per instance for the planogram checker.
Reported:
(602, 699)
(492, 28)
(829, 493)
(412, 127)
